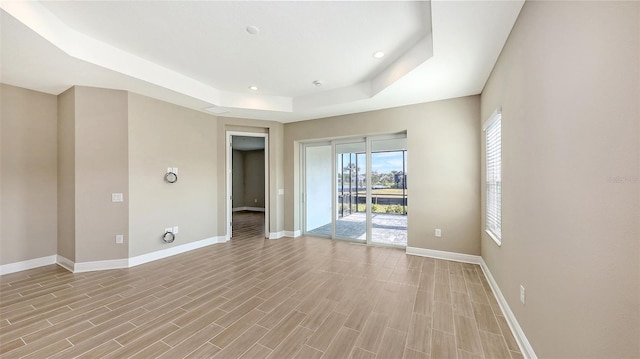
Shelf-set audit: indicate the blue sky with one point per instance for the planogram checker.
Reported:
(385, 162)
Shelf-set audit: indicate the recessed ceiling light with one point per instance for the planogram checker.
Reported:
(253, 88)
(253, 30)
(378, 54)
(318, 83)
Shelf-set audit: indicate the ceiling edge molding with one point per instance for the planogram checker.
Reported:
(357, 92)
(35, 16)
(414, 57)
(85, 48)
(256, 102)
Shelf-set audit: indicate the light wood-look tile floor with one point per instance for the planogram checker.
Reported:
(247, 225)
(257, 298)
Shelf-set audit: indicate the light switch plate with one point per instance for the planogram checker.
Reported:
(119, 238)
(176, 229)
(281, 191)
(117, 197)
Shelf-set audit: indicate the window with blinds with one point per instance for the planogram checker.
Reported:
(493, 136)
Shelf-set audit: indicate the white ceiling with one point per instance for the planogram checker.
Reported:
(199, 54)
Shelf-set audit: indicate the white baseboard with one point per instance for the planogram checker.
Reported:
(292, 234)
(252, 209)
(164, 253)
(276, 235)
(137, 260)
(100, 265)
(28, 264)
(450, 256)
(518, 333)
(65, 263)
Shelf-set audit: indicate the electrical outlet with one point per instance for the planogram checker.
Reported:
(438, 232)
(117, 197)
(176, 229)
(119, 238)
(522, 292)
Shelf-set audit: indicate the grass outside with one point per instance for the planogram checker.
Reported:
(386, 192)
(381, 208)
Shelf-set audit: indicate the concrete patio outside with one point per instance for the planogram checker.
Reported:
(386, 228)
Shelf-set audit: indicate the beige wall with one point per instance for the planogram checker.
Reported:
(28, 164)
(163, 135)
(248, 178)
(276, 168)
(66, 175)
(100, 169)
(568, 83)
(254, 178)
(443, 152)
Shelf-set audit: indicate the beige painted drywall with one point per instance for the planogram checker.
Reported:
(568, 83)
(66, 239)
(101, 169)
(248, 178)
(276, 168)
(29, 174)
(443, 151)
(163, 135)
(254, 178)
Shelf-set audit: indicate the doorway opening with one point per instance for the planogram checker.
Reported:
(247, 185)
(356, 190)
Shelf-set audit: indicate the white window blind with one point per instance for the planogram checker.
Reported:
(493, 133)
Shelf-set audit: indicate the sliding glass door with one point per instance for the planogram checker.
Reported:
(389, 191)
(351, 209)
(318, 190)
(356, 190)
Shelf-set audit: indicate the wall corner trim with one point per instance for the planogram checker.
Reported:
(28, 264)
(65, 263)
(518, 333)
(290, 234)
(100, 265)
(450, 256)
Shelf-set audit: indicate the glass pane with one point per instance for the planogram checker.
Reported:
(351, 212)
(318, 190)
(389, 192)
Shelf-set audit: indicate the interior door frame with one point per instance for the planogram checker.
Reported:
(229, 178)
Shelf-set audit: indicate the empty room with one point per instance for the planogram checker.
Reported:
(320, 179)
